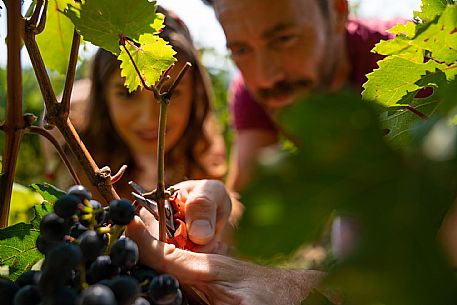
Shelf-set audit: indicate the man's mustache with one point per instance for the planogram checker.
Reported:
(284, 88)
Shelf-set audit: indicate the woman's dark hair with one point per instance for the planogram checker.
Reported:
(100, 136)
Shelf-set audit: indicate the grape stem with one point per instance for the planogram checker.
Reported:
(57, 113)
(160, 191)
(163, 98)
(63, 156)
(14, 121)
(116, 232)
(161, 194)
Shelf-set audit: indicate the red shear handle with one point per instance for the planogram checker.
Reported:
(180, 238)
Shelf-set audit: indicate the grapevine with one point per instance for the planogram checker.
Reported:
(81, 241)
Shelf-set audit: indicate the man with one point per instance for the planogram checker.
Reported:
(283, 49)
(286, 49)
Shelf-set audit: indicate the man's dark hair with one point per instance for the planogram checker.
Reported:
(323, 4)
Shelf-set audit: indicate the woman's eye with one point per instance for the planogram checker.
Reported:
(126, 94)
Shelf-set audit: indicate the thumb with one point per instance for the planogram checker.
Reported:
(200, 216)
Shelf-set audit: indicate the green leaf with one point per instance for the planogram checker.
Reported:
(39, 211)
(49, 192)
(158, 24)
(448, 106)
(440, 37)
(344, 165)
(22, 200)
(430, 9)
(387, 86)
(153, 57)
(401, 45)
(408, 29)
(102, 22)
(55, 41)
(400, 125)
(18, 249)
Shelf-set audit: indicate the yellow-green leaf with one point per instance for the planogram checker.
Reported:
(152, 57)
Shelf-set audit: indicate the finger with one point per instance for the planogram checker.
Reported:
(152, 252)
(207, 210)
(166, 258)
(150, 222)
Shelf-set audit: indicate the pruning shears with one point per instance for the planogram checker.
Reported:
(174, 213)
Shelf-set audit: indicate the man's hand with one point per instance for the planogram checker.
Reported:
(207, 207)
(221, 279)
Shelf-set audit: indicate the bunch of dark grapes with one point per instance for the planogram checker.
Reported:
(88, 261)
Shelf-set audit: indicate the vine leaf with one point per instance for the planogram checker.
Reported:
(102, 22)
(343, 164)
(57, 37)
(49, 192)
(440, 37)
(401, 45)
(430, 9)
(18, 248)
(401, 123)
(39, 211)
(152, 57)
(387, 87)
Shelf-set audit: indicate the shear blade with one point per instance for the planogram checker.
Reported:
(152, 207)
(149, 205)
(138, 188)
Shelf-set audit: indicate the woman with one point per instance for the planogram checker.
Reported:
(122, 127)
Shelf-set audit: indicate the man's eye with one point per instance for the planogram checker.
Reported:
(237, 52)
(285, 40)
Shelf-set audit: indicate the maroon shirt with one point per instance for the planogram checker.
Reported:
(361, 37)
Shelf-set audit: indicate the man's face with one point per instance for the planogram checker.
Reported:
(282, 48)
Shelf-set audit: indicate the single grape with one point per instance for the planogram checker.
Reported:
(81, 191)
(45, 246)
(141, 301)
(31, 277)
(77, 230)
(97, 295)
(124, 253)
(125, 289)
(91, 245)
(64, 296)
(53, 227)
(143, 275)
(100, 269)
(67, 206)
(27, 295)
(7, 291)
(66, 255)
(164, 290)
(49, 282)
(121, 211)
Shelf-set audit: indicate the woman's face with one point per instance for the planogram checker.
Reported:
(135, 115)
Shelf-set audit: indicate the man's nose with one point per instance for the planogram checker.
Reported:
(269, 69)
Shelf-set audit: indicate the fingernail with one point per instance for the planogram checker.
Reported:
(200, 231)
